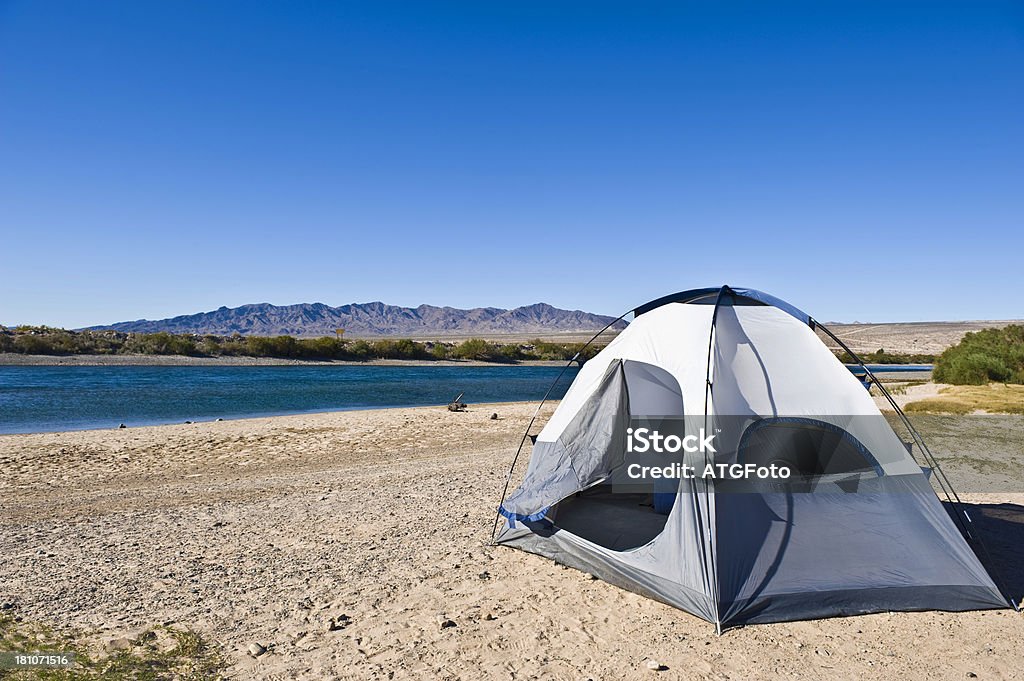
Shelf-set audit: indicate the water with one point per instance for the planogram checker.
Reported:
(46, 398)
(890, 368)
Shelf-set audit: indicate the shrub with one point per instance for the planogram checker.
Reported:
(50, 341)
(32, 345)
(209, 345)
(276, 346)
(384, 349)
(881, 356)
(983, 356)
(360, 349)
(327, 347)
(563, 351)
(474, 348)
(233, 346)
(408, 349)
(512, 352)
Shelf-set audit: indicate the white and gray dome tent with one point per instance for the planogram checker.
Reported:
(858, 530)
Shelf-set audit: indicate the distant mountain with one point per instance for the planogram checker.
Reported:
(371, 319)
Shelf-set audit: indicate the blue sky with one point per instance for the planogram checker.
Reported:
(864, 161)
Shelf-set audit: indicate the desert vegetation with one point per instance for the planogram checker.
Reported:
(989, 355)
(995, 398)
(881, 356)
(158, 653)
(40, 340)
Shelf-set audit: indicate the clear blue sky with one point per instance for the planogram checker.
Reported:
(863, 160)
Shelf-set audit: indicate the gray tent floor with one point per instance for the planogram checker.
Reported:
(615, 521)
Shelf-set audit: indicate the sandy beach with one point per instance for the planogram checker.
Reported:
(268, 530)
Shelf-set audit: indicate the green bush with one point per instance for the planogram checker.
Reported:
(32, 345)
(275, 346)
(210, 346)
(408, 349)
(160, 343)
(562, 351)
(322, 348)
(511, 352)
(474, 348)
(360, 349)
(233, 346)
(984, 356)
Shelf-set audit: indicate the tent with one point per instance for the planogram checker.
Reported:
(856, 527)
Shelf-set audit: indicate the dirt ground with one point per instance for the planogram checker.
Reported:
(268, 530)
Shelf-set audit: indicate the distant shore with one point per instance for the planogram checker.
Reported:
(17, 359)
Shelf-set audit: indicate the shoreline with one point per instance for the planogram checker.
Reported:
(238, 420)
(276, 415)
(18, 359)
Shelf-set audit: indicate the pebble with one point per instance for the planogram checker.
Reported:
(255, 649)
(655, 666)
(494, 417)
(119, 644)
(445, 623)
(339, 622)
(490, 617)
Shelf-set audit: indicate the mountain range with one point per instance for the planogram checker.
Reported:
(372, 319)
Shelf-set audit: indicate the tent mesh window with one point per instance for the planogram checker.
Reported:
(810, 448)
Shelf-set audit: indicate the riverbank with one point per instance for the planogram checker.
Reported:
(17, 359)
(267, 530)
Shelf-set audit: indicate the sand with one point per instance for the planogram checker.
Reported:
(263, 530)
(907, 337)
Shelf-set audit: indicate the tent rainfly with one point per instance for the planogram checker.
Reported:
(857, 528)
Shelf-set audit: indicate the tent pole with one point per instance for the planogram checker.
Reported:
(930, 459)
(947, 487)
(708, 383)
(536, 413)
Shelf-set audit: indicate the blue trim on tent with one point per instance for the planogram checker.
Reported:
(531, 518)
(694, 295)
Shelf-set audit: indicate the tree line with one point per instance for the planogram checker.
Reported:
(41, 340)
